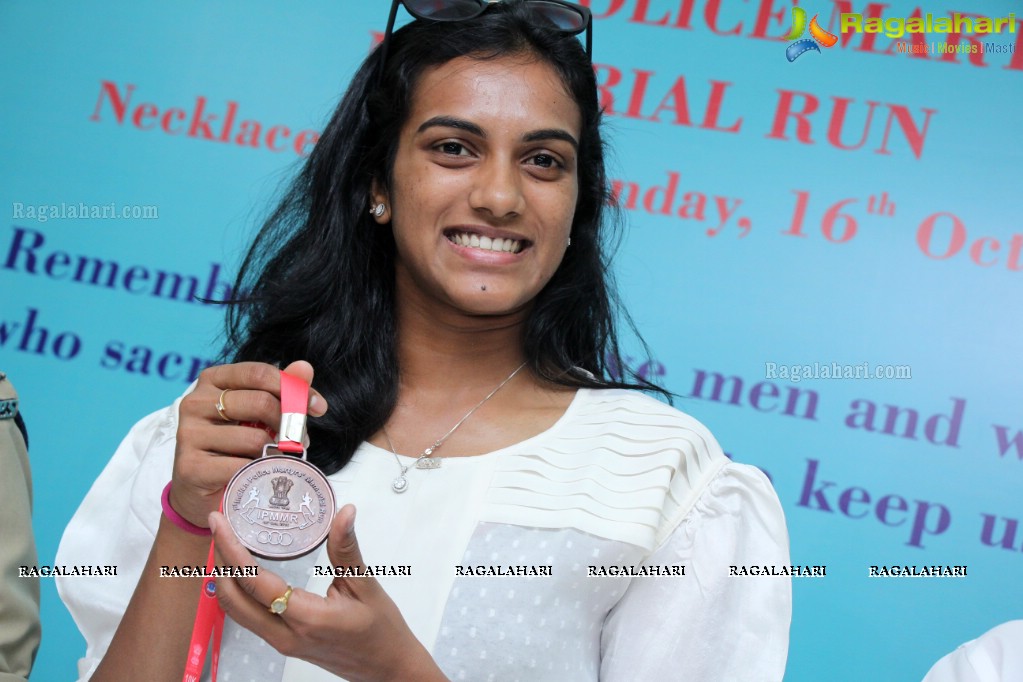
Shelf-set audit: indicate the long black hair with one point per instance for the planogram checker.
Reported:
(318, 281)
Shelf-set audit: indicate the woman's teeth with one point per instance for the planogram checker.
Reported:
(475, 241)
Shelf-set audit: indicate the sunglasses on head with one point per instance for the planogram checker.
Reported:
(565, 17)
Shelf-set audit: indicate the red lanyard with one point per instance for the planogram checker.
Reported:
(209, 617)
(209, 620)
(294, 402)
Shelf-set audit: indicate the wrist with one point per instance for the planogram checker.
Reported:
(176, 519)
(173, 546)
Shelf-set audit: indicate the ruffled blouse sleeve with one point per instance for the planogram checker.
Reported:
(114, 529)
(709, 625)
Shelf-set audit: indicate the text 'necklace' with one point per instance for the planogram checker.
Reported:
(400, 484)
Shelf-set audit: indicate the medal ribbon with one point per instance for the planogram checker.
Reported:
(209, 617)
(294, 402)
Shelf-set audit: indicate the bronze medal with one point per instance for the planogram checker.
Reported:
(280, 506)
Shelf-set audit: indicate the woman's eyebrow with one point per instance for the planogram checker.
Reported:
(472, 128)
(551, 134)
(452, 122)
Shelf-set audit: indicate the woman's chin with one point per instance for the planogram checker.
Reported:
(480, 301)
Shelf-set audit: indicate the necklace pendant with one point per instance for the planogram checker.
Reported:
(424, 461)
(400, 484)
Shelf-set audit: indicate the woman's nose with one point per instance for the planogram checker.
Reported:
(497, 189)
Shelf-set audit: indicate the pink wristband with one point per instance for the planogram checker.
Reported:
(179, 520)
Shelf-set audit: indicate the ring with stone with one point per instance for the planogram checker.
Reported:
(221, 410)
(280, 605)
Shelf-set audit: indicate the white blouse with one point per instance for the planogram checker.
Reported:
(995, 656)
(621, 480)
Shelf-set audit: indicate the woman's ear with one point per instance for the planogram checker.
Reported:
(379, 205)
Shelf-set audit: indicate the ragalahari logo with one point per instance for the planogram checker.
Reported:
(801, 47)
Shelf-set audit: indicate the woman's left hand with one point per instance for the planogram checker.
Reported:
(356, 631)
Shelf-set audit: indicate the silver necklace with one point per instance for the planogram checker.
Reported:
(424, 461)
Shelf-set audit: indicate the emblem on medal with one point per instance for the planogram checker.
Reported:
(281, 506)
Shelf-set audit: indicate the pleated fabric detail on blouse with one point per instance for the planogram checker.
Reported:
(635, 486)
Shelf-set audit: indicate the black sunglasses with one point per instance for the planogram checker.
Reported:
(565, 17)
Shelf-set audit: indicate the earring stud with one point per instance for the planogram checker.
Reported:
(378, 210)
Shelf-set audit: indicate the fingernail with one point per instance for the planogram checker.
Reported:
(212, 520)
(350, 528)
(317, 403)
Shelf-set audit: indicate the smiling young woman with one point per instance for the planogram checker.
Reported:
(440, 263)
(484, 185)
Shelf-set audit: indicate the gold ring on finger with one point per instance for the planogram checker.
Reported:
(221, 409)
(280, 605)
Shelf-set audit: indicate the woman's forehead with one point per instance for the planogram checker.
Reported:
(519, 91)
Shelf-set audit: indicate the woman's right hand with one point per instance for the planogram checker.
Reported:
(210, 450)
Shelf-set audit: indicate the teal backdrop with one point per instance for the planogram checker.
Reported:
(858, 207)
